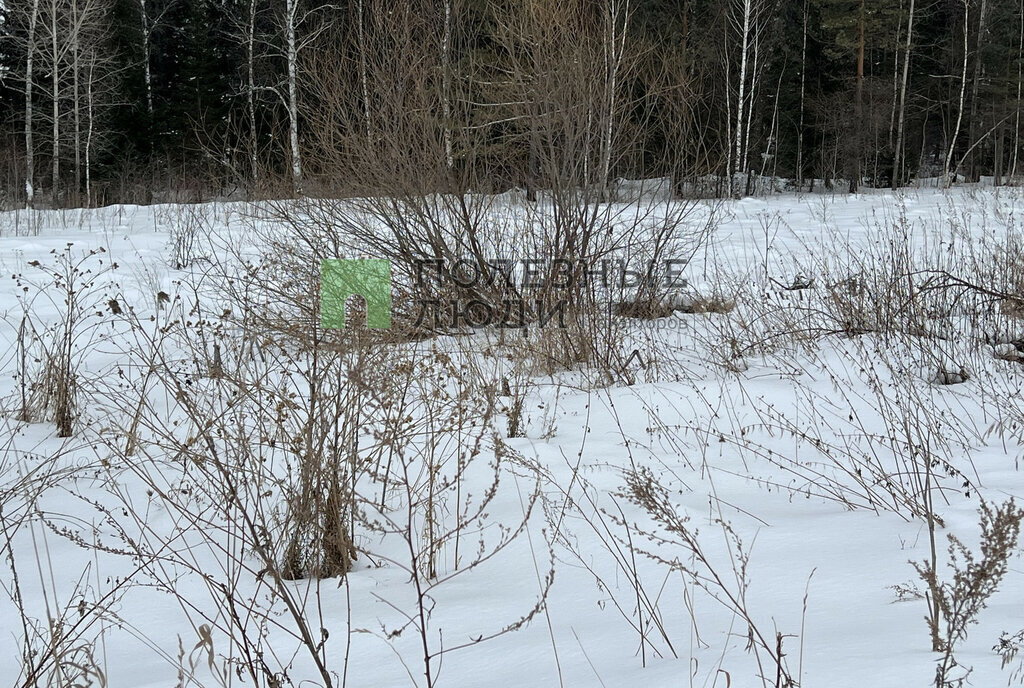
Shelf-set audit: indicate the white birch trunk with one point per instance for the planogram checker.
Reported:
(76, 95)
(946, 169)
(740, 104)
(55, 83)
(291, 9)
(803, 92)
(250, 94)
(896, 78)
(615, 46)
(446, 105)
(1020, 82)
(88, 135)
(147, 31)
(729, 165)
(29, 144)
(749, 118)
(897, 167)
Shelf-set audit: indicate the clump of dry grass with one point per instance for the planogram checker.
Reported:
(712, 303)
(61, 315)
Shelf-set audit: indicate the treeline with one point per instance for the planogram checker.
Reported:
(129, 100)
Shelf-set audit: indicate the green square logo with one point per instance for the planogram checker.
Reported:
(369, 278)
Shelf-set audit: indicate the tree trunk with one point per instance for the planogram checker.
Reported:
(29, 145)
(1020, 83)
(250, 59)
(772, 134)
(897, 165)
(55, 79)
(803, 92)
(147, 75)
(859, 129)
(730, 170)
(77, 97)
(363, 79)
(755, 68)
(446, 104)
(740, 105)
(997, 164)
(895, 78)
(947, 168)
(88, 135)
(291, 9)
(614, 47)
(976, 82)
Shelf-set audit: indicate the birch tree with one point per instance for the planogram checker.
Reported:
(446, 85)
(250, 91)
(897, 165)
(746, 11)
(364, 81)
(245, 32)
(616, 20)
(98, 93)
(91, 66)
(151, 19)
(803, 107)
(71, 28)
(750, 20)
(147, 39)
(947, 167)
(30, 49)
(55, 70)
(1020, 88)
(295, 19)
(858, 170)
(292, 56)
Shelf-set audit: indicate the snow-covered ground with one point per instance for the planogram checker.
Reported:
(800, 447)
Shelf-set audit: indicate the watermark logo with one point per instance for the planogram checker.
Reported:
(368, 278)
(500, 289)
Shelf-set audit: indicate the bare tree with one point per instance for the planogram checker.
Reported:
(976, 78)
(72, 30)
(948, 167)
(292, 21)
(245, 33)
(803, 94)
(747, 9)
(1020, 85)
(29, 143)
(250, 90)
(897, 166)
(92, 70)
(616, 19)
(55, 59)
(100, 78)
(292, 55)
(363, 79)
(749, 18)
(446, 79)
(148, 24)
(858, 171)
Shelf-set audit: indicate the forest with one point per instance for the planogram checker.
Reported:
(132, 101)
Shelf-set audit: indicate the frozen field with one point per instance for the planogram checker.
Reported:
(740, 505)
